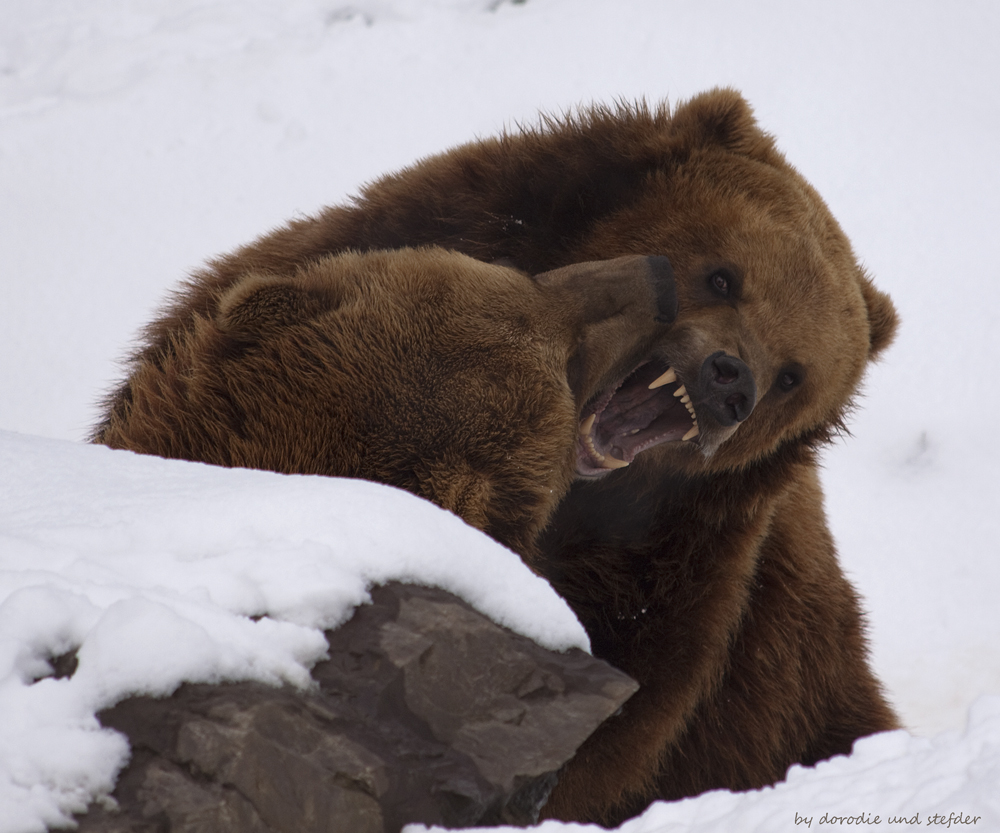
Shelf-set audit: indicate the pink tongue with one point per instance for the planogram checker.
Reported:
(630, 409)
(665, 429)
(654, 416)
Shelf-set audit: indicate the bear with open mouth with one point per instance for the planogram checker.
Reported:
(616, 343)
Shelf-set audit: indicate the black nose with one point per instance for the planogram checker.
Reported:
(728, 388)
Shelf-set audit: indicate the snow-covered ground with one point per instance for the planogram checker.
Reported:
(138, 137)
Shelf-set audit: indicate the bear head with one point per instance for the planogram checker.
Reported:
(776, 319)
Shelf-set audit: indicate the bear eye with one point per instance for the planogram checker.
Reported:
(788, 379)
(719, 282)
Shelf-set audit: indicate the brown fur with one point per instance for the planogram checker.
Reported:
(705, 571)
(420, 368)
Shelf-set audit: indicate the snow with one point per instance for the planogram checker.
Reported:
(139, 137)
(160, 571)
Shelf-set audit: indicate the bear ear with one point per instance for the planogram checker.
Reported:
(258, 303)
(882, 317)
(723, 118)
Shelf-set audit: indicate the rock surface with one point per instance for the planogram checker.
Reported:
(425, 712)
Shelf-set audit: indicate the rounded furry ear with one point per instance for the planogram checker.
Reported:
(263, 302)
(882, 317)
(722, 118)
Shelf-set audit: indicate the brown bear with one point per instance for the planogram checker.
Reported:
(689, 536)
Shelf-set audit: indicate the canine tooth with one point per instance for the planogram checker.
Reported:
(613, 463)
(681, 391)
(587, 424)
(633, 431)
(694, 432)
(665, 379)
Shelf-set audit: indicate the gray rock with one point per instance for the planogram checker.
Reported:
(425, 712)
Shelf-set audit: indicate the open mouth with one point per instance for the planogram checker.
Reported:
(648, 408)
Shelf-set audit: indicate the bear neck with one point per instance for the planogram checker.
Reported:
(631, 505)
(614, 547)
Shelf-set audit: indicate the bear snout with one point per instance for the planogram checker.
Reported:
(728, 390)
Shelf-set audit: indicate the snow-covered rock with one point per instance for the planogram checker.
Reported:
(160, 571)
